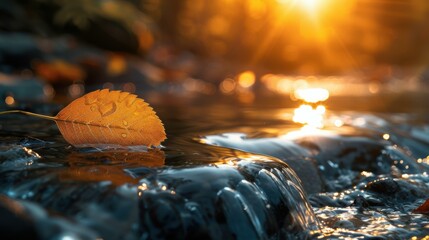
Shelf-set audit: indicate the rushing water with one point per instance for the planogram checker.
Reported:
(225, 172)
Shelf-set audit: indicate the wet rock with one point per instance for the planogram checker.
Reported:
(360, 202)
(25, 220)
(201, 191)
(17, 50)
(386, 186)
(399, 190)
(21, 88)
(327, 162)
(85, 210)
(14, 221)
(230, 201)
(16, 157)
(99, 33)
(243, 196)
(322, 200)
(344, 224)
(341, 159)
(297, 157)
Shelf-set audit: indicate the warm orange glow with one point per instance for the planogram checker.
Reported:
(312, 117)
(311, 95)
(246, 79)
(310, 5)
(116, 64)
(59, 71)
(246, 97)
(227, 86)
(9, 100)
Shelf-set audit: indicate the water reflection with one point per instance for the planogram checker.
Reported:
(311, 95)
(307, 114)
(365, 174)
(150, 158)
(113, 174)
(109, 166)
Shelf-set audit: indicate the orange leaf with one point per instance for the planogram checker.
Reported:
(423, 209)
(110, 118)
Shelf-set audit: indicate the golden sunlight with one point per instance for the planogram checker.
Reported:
(310, 5)
(246, 79)
(311, 117)
(311, 95)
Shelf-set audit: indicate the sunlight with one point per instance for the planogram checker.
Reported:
(310, 5)
(227, 86)
(246, 79)
(311, 95)
(309, 116)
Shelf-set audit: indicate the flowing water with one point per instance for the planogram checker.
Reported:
(226, 171)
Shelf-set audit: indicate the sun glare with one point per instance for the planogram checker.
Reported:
(246, 79)
(311, 95)
(310, 5)
(309, 116)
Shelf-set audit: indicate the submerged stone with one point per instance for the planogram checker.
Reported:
(236, 196)
(245, 198)
(16, 157)
(328, 162)
(14, 221)
(296, 156)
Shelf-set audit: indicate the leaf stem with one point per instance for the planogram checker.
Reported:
(29, 114)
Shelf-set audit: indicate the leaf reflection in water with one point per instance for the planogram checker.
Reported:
(109, 165)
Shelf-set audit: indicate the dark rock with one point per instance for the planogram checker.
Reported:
(360, 202)
(16, 157)
(106, 34)
(228, 201)
(297, 157)
(386, 186)
(322, 200)
(15, 222)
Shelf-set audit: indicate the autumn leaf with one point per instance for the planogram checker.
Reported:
(423, 209)
(107, 118)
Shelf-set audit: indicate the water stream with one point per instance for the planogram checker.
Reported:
(226, 171)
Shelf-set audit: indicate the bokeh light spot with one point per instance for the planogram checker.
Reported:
(246, 79)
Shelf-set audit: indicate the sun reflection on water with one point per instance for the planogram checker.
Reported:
(310, 113)
(311, 95)
(313, 117)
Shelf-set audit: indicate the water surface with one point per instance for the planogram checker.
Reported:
(226, 171)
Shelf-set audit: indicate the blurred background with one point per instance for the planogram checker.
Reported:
(241, 49)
